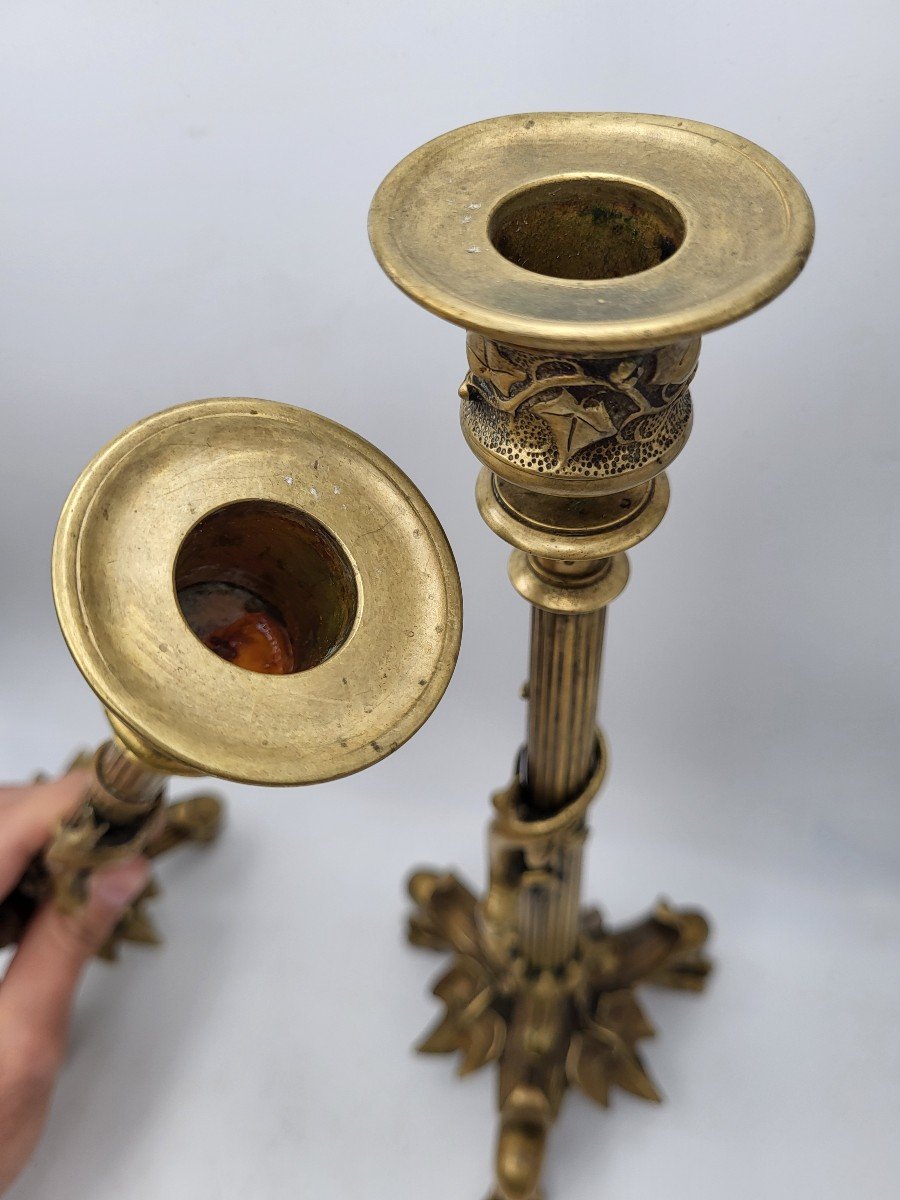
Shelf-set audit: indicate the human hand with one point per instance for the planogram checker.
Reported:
(37, 991)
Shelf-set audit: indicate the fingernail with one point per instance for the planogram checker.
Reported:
(117, 886)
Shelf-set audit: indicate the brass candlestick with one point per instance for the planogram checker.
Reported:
(585, 253)
(253, 592)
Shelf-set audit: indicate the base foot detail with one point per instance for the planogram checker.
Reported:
(578, 1025)
(90, 840)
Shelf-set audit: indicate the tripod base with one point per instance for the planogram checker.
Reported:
(197, 819)
(578, 1025)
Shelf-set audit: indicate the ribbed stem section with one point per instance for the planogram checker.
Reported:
(562, 720)
(549, 911)
(123, 789)
(562, 709)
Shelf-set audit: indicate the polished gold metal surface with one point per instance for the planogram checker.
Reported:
(571, 528)
(441, 226)
(300, 511)
(253, 592)
(585, 253)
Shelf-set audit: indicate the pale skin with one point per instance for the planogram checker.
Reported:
(39, 987)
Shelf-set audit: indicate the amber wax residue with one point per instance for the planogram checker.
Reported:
(238, 626)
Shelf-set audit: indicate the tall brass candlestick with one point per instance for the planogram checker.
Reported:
(585, 253)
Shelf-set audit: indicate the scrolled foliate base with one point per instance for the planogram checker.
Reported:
(548, 1030)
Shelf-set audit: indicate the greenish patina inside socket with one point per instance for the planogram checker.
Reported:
(586, 228)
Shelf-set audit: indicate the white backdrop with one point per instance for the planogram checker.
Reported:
(183, 215)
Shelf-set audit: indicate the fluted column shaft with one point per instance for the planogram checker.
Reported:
(562, 704)
(560, 755)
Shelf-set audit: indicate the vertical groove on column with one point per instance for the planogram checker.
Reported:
(562, 718)
(562, 713)
(549, 910)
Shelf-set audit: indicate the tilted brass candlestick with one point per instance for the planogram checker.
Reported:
(253, 592)
(585, 253)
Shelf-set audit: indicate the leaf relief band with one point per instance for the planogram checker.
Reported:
(570, 414)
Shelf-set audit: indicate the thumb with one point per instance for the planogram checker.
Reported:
(43, 976)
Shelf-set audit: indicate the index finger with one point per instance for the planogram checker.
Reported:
(29, 819)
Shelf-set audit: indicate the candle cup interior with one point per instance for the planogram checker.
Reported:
(266, 587)
(586, 228)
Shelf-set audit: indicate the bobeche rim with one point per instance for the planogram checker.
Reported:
(748, 229)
